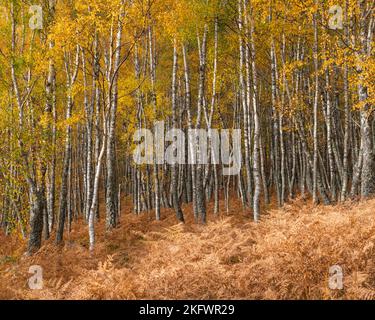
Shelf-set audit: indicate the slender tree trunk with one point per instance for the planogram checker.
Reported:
(245, 101)
(190, 126)
(256, 147)
(71, 78)
(111, 186)
(316, 99)
(366, 114)
(174, 169)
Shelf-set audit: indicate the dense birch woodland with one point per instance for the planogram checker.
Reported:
(296, 77)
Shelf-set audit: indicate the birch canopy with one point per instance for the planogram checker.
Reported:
(296, 78)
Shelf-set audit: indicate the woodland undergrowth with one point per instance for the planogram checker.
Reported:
(285, 256)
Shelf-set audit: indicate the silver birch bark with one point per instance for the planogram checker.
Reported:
(111, 186)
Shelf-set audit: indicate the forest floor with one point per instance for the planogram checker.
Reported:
(287, 255)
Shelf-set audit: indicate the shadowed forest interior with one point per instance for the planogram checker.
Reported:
(87, 85)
